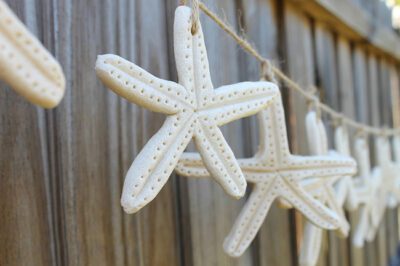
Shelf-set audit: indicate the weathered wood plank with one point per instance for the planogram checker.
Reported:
(92, 172)
(340, 16)
(26, 231)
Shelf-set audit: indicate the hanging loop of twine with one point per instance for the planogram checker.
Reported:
(361, 133)
(195, 14)
(338, 120)
(267, 72)
(313, 102)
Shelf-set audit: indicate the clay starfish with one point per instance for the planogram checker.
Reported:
(389, 172)
(345, 192)
(275, 173)
(387, 192)
(26, 65)
(194, 110)
(312, 240)
(368, 190)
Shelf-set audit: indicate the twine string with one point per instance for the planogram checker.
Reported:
(267, 72)
(195, 16)
(276, 72)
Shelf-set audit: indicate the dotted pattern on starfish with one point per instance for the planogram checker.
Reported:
(194, 110)
(275, 173)
(26, 65)
(367, 188)
(345, 192)
(312, 240)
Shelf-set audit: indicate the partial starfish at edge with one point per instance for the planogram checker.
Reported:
(26, 65)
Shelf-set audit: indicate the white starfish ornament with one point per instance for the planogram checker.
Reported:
(389, 172)
(275, 173)
(368, 190)
(26, 65)
(387, 192)
(345, 192)
(194, 110)
(312, 240)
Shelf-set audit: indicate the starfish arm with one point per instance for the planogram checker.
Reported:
(324, 166)
(219, 159)
(250, 219)
(314, 210)
(311, 245)
(351, 200)
(155, 163)
(341, 191)
(396, 149)
(361, 228)
(26, 65)
(373, 229)
(191, 56)
(232, 102)
(316, 134)
(333, 204)
(363, 193)
(371, 234)
(391, 201)
(140, 87)
(378, 211)
(191, 164)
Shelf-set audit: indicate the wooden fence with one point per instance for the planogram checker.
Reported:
(61, 171)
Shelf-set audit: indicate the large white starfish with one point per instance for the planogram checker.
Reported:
(194, 110)
(26, 65)
(312, 240)
(368, 190)
(275, 173)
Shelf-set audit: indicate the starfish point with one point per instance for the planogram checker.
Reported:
(26, 65)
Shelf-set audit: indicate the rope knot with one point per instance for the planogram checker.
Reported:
(267, 71)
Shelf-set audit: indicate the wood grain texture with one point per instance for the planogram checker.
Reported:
(62, 170)
(26, 218)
